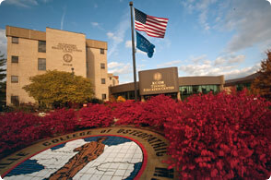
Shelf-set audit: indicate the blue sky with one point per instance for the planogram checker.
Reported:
(203, 37)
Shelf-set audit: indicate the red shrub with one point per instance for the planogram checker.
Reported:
(221, 137)
(153, 113)
(60, 121)
(18, 130)
(96, 115)
(158, 110)
(129, 112)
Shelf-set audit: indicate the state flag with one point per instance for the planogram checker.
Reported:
(144, 45)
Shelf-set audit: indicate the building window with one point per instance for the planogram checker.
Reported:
(187, 91)
(42, 64)
(14, 59)
(14, 100)
(101, 51)
(103, 96)
(42, 46)
(14, 79)
(15, 40)
(102, 66)
(103, 81)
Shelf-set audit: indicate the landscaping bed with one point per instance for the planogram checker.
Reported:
(223, 136)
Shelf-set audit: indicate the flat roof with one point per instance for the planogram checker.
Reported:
(247, 79)
(41, 36)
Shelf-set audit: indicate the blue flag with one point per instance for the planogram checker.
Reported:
(144, 45)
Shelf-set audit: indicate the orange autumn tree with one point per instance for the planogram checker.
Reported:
(262, 84)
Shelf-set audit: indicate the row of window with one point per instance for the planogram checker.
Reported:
(41, 62)
(41, 45)
(15, 99)
(187, 91)
(195, 89)
(15, 79)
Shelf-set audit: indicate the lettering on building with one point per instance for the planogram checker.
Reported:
(158, 81)
(158, 85)
(67, 48)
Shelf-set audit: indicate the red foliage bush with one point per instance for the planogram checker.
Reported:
(221, 137)
(211, 136)
(18, 129)
(129, 112)
(95, 115)
(60, 121)
(158, 110)
(153, 113)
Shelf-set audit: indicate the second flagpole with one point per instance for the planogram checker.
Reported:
(133, 46)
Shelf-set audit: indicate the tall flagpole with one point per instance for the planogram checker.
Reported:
(133, 46)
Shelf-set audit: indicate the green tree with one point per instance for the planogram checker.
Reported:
(57, 89)
(3, 75)
(262, 84)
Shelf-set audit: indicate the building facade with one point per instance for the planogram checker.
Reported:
(166, 81)
(240, 83)
(31, 53)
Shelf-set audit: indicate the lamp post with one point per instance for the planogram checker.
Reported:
(72, 72)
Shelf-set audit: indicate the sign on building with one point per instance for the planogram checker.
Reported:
(158, 81)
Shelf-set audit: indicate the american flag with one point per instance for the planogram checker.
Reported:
(153, 26)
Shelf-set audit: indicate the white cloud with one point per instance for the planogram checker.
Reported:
(114, 64)
(121, 69)
(118, 35)
(172, 63)
(22, 3)
(237, 59)
(46, 1)
(110, 35)
(3, 42)
(248, 20)
(128, 44)
(202, 7)
(94, 24)
(242, 72)
(115, 37)
(97, 25)
(227, 66)
(198, 58)
(207, 69)
(203, 20)
(229, 60)
(118, 68)
(63, 18)
(219, 61)
(251, 21)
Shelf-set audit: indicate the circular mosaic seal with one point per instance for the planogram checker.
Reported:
(105, 153)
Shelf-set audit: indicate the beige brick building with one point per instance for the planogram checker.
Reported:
(31, 52)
